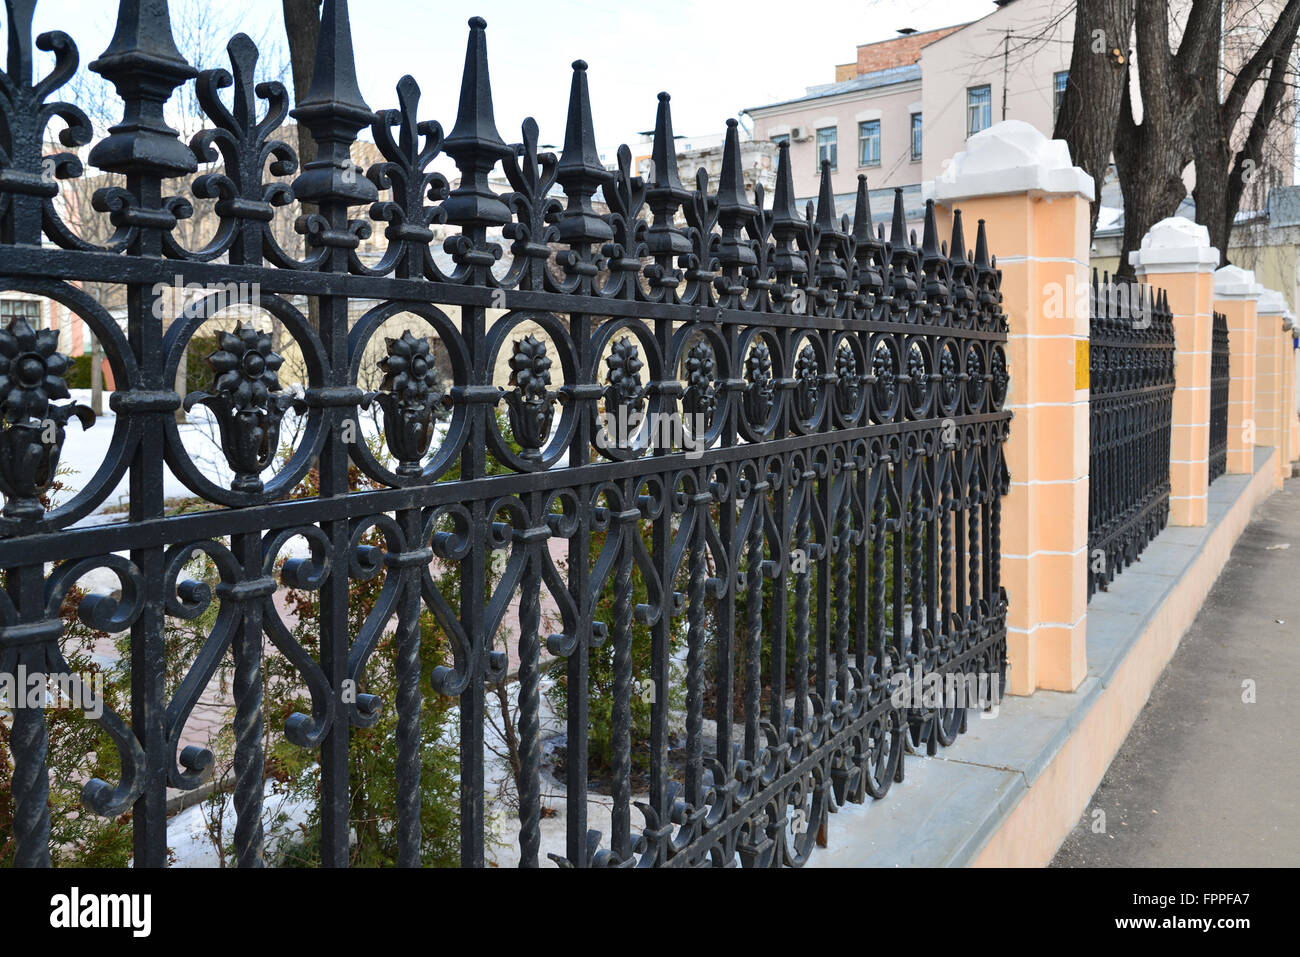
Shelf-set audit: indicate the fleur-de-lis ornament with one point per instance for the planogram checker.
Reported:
(31, 374)
(247, 401)
(410, 393)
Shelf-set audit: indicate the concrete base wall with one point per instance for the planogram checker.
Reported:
(1031, 833)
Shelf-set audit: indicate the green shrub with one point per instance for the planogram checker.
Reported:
(78, 374)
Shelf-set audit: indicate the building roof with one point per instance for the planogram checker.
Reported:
(882, 204)
(896, 51)
(868, 81)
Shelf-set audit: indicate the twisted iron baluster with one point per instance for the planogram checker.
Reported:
(802, 610)
(696, 636)
(842, 601)
(249, 760)
(621, 720)
(409, 698)
(530, 616)
(29, 741)
(754, 626)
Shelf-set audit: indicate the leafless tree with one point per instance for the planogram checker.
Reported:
(1224, 175)
(1089, 112)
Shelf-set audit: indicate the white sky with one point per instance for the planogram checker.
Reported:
(714, 58)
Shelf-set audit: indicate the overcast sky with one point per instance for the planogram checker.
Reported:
(715, 58)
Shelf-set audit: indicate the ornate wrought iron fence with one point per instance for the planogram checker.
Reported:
(1219, 378)
(1131, 357)
(849, 390)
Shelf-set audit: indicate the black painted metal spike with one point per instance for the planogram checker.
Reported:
(580, 153)
(898, 229)
(731, 181)
(665, 193)
(783, 208)
(18, 14)
(958, 250)
(734, 208)
(930, 234)
(862, 213)
(580, 171)
(474, 143)
(334, 78)
(142, 39)
(334, 111)
(827, 221)
(476, 127)
(143, 64)
(663, 156)
(981, 247)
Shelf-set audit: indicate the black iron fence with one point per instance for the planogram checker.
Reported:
(826, 524)
(1219, 378)
(1131, 357)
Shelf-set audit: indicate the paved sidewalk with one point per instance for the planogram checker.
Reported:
(1203, 778)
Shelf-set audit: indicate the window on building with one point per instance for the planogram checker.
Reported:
(979, 109)
(826, 147)
(869, 143)
(916, 136)
(29, 309)
(1059, 81)
(779, 138)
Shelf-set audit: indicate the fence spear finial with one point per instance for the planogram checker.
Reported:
(958, 250)
(143, 64)
(734, 208)
(826, 218)
(474, 143)
(981, 247)
(334, 111)
(862, 213)
(930, 234)
(898, 229)
(663, 155)
(580, 170)
(19, 14)
(334, 75)
(665, 193)
(731, 181)
(783, 208)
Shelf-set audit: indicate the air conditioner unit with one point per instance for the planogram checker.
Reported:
(799, 133)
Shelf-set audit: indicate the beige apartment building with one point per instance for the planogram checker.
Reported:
(905, 106)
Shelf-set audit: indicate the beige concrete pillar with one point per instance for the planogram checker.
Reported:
(1293, 414)
(1271, 398)
(1176, 256)
(1236, 295)
(1034, 204)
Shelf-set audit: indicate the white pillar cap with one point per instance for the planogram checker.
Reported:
(1233, 282)
(1272, 303)
(1175, 244)
(1012, 157)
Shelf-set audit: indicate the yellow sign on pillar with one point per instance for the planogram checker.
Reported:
(1081, 379)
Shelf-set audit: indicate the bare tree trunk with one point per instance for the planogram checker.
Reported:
(302, 26)
(1150, 156)
(1221, 174)
(1098, 75)
(96, 376)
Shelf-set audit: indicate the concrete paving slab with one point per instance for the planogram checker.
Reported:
(1209, 772)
